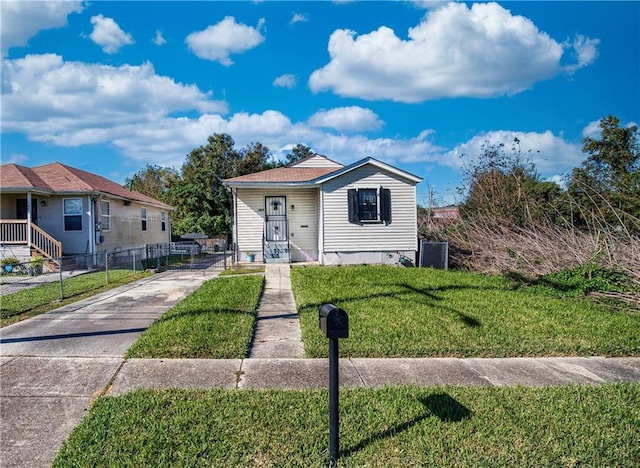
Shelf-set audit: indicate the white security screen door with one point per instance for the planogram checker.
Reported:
(276, 218)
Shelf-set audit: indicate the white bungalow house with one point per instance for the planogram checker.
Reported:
(319, 210)
(55, 210)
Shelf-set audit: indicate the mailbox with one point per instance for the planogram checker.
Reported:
(333, 321)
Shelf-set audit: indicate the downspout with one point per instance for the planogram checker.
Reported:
(234, 231)
(92, 225)
(320, 206)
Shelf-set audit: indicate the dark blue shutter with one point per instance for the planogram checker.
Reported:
(385, 205)
(352, 199)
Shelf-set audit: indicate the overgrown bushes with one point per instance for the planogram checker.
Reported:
(583, 237)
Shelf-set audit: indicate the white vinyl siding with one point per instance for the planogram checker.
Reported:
(341, 236)
(302, 220)
(318, 161)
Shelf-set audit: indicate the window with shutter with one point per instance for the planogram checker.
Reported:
(369, 205)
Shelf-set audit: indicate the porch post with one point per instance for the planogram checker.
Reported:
(29, 220)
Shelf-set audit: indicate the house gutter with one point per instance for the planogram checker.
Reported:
(92, 223)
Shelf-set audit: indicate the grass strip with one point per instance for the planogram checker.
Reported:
(215, 322)
(40, 299)
(387, 427)
(242, 271)
(418, 312)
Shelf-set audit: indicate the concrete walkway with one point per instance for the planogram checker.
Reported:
(52, 367)
(277, 332)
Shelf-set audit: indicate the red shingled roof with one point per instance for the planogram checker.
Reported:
(57, 177)
(285, 175)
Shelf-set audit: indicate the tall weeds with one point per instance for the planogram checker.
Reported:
(484, 244)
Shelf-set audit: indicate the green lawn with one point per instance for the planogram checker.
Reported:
(30, 302)
(388, 427)
(214, 322)
(417, 312)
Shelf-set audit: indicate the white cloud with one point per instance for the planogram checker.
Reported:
(428, 4)
(159, 39)
(21, 20)
(346, 119)
(559, 179)
(73, 103)
(16, 158)
(455, 51)
(299, 18)
(551, 154)
(286, 81)
(108, 35)
(152, 119)
(586, 51)
(227, 37)
(592, 130)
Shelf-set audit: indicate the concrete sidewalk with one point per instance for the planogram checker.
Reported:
(52, 367)
(283, 373)
(277, 332)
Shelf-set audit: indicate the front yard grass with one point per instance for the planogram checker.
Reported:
(28, 303)
(411, 312)
(215, 322)
(387, 427)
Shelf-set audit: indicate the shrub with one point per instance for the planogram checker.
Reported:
(13, 261)
(587, 278)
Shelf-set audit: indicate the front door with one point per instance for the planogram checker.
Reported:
(21, 209)
(276, 218)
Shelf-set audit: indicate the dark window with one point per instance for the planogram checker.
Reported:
(367, 205)
(106, 216)
(73, 223)
(163, 220)
(143, 216)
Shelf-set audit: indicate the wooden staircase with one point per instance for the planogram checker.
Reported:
(17, 232)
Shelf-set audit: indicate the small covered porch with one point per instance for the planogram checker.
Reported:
(20, 233)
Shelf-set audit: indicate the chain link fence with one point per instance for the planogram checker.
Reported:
(18, 275)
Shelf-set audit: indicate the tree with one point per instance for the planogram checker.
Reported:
(298, 153)
(153, 181)
(607, 184)
(254, 158)
(202, 203)
(504, 186)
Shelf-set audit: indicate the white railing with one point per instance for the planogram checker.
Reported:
(45, 244)
(14, 232)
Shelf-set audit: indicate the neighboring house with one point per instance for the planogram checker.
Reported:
(434, 219)
(319, 210)
(58, 210)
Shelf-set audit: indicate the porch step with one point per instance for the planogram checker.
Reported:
(277, 252)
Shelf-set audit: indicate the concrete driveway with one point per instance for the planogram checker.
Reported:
(54, 365)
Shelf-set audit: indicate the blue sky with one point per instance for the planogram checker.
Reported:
(109, 87)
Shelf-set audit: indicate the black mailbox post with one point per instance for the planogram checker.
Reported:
(334, 323)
